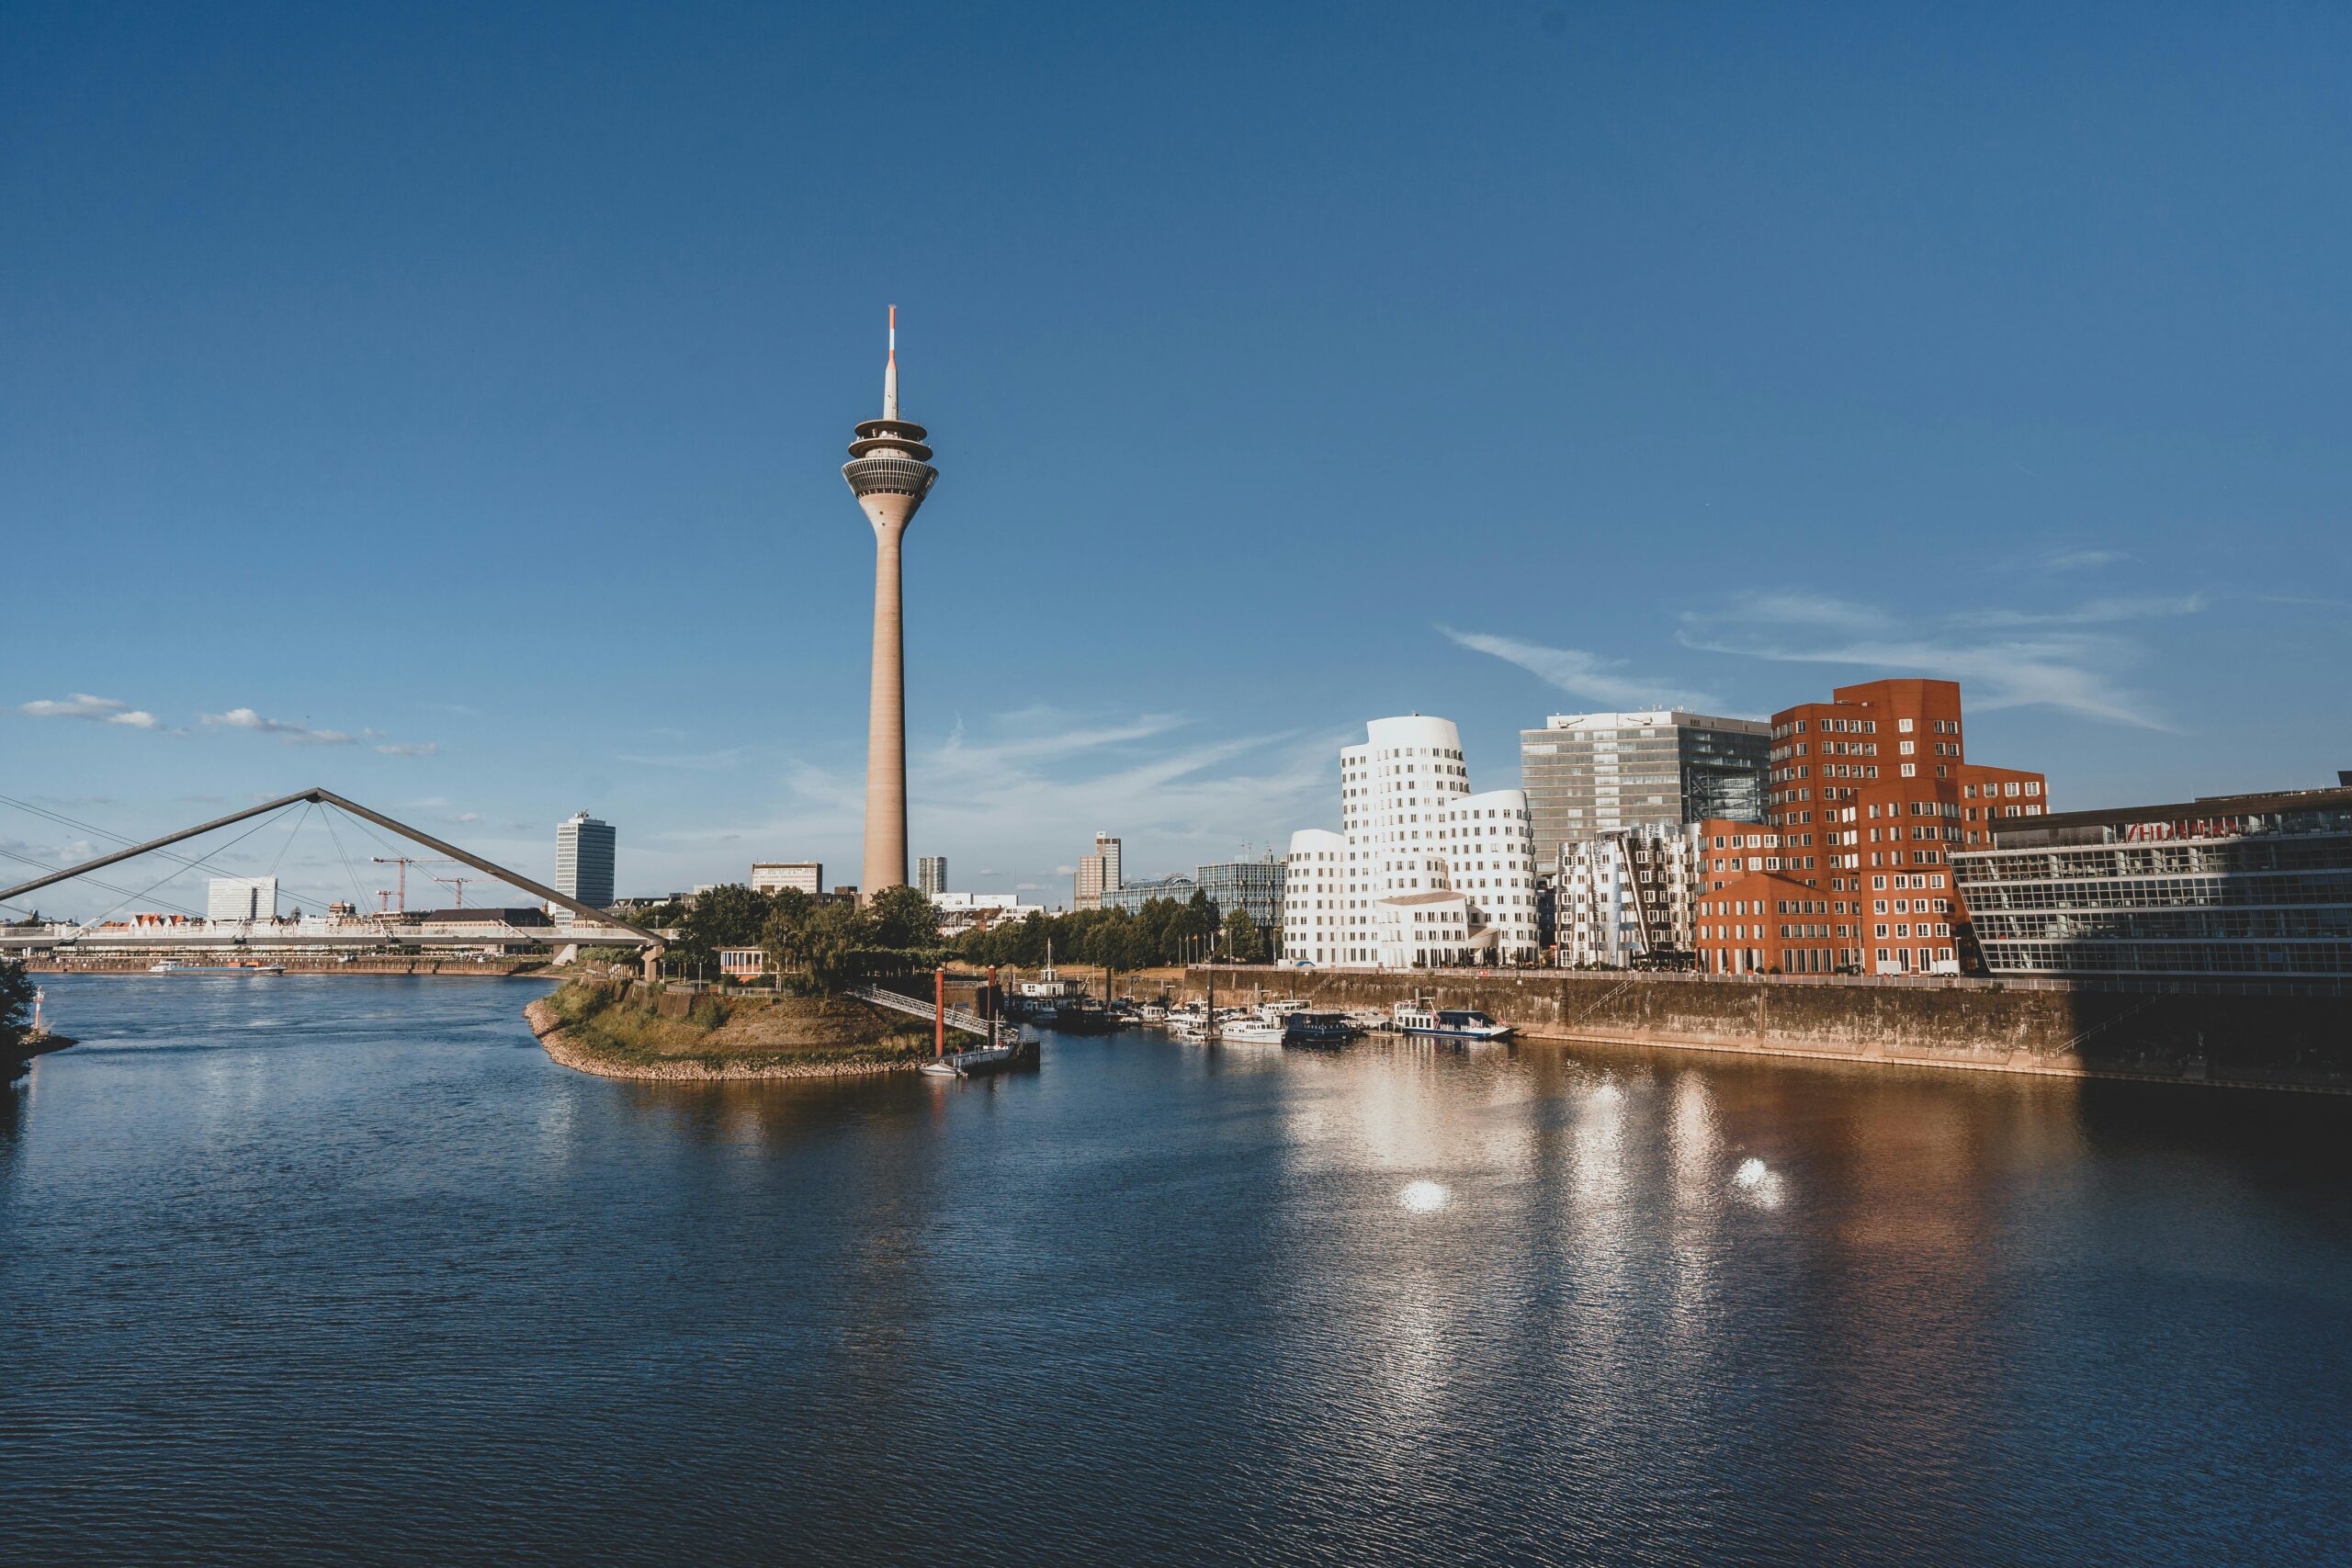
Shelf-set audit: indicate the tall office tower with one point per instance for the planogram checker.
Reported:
(890, 471)
(1422, 873)
(1589, 773)
(240, 898)
(1097, 873)
(930, 874)
(583, 860)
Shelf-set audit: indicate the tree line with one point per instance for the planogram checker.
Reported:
(1162, 931)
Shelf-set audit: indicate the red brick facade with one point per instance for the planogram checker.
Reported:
(1869, 795)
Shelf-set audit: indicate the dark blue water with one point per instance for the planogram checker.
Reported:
(345, 1269)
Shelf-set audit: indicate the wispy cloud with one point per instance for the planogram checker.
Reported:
(2091, 613)
(99, 710)
(2083, 560)
(292, 733)
(1592, 676)
(2077, 671)
(1025, 790)
(252, 722)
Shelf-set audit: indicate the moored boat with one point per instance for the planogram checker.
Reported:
(1447, 1024)
(174, 967)
(1317, 1030)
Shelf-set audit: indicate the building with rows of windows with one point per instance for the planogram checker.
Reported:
(1590, 773)
(1870, 794)
(1627, 896)
(2253, 887)
(1422, 873)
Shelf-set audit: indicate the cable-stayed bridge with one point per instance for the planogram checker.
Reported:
(359, 930)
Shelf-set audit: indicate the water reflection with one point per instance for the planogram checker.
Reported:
(379, 1267)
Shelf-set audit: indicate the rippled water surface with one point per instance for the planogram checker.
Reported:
(340, 1268)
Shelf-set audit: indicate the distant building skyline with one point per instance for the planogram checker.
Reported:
(1097, 873)
(774, 876)
(930, 874)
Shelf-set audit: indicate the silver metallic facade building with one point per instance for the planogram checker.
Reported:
(1627, 896)
(1589, 773)
(930, 874)
(1131, 897)
(583, 860)
(1254, 886)
(2249, 887)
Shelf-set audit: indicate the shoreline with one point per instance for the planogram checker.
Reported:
(567, 1051)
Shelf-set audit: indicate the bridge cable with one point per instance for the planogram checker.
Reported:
(224, 849)
(63, 820)
(327, 815)
(108, 886)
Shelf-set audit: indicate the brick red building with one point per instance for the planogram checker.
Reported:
(1869, 795)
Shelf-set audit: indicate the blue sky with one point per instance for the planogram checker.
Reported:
(444, 404)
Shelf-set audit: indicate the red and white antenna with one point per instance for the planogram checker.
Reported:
(890, 371)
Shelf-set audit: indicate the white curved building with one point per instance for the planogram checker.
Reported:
(1423, 872)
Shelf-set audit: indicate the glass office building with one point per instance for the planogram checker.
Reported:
(1131, 896)
(1590, 773)
(2255, 887)
(1255, 886)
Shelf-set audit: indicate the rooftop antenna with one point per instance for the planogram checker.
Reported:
(890, 371)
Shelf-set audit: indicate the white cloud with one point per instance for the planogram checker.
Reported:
(1588, 675)
(409, 748)
(292, 733)
(2076, 671)
(102, 710)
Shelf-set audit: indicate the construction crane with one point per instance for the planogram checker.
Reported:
(459, 884)
(404, 862)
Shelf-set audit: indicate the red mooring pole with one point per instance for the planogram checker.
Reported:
(939, 1011)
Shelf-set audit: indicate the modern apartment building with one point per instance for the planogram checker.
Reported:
(775, 876)
(1625, 897)
(1097, 873)
(2247, 886)
(1422, 873)
(930, 874)
(1870, 795)
(230, 898)
(583, 860)
(1589, 773)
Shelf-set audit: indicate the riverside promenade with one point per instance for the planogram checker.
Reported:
(2248, 1036)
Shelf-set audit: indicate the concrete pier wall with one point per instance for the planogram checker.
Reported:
(2258, 1040)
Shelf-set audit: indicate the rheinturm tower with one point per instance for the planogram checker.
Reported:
(890, 471)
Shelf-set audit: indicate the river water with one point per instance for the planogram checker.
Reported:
(334, 1268)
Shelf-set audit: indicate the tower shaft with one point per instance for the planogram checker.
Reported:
(886, 724)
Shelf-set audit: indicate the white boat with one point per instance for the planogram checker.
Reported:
(1447, 1024)
(174, 966)
(1368, 1019)
(1154, 1013)
(1249, 1031)
(964, 1064)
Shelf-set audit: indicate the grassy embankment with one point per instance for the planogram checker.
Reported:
(620, 1030)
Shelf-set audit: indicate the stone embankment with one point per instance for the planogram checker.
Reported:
(2255, 1039)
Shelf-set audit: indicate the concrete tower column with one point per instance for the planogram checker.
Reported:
(890, 471)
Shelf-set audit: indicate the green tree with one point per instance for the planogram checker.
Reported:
(903, 919)
(16, 1004)
(832, 943)
(1244, 942)
(729, 916)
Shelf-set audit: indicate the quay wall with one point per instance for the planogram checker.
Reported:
(2255, 1039)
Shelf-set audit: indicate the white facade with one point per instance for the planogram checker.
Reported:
(1625, 895)
(775, 876)
(1422, 873)
(234, 898)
